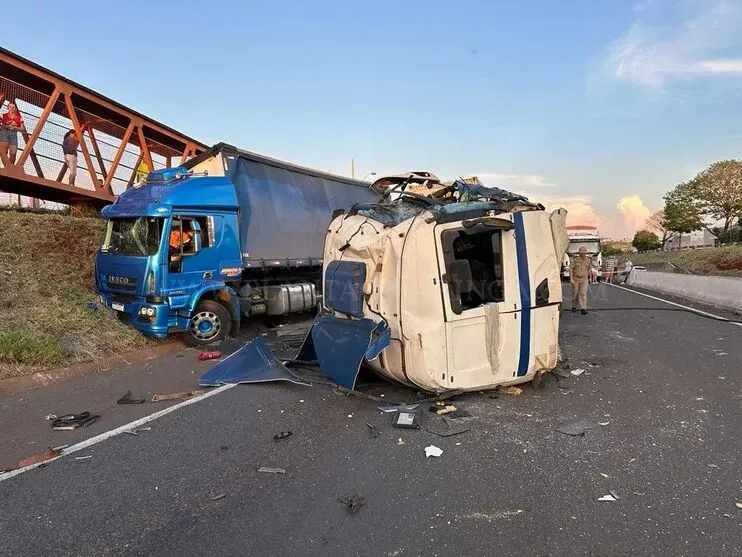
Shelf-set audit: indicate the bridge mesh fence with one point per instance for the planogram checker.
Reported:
(47, 159)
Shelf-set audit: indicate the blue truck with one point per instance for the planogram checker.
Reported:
(230, 234)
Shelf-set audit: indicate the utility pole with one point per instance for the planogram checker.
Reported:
(352, 168)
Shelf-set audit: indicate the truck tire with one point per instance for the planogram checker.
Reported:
(210, 322)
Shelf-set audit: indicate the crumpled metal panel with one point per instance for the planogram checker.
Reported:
(253, 363)
(340, 346)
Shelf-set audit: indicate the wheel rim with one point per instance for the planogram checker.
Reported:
(205, 325)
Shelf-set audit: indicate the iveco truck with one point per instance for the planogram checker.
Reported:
(230, 234)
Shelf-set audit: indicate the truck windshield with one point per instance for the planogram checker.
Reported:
(592, 246)
(133, 236)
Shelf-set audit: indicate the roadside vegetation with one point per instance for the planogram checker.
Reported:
(702, 261)
(48, 311)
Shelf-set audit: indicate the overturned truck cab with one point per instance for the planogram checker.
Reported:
(454, 286)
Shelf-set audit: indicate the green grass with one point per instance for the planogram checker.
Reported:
(46, 284)
(706, 261)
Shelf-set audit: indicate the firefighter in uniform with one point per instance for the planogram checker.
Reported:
(579, 276)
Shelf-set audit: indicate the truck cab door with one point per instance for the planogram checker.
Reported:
(189, 262)
(479, 286)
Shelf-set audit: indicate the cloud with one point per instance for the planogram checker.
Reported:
(677, 40)
(634, 211)
(512, 180)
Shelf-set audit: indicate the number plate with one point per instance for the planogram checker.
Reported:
(118, 307)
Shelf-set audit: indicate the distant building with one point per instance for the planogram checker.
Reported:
(696, 239)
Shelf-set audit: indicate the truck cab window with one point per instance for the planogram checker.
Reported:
(474, 261)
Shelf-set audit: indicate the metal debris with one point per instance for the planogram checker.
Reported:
(177, 396)
(408, 420)
(269, 470)
(374, 431)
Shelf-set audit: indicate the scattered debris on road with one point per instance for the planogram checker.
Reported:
(136, 431)
(217, 497)
(577, 372)
(443, 410)
(205, 356)
(353, 502)
(407, 420)
(269, 470)
(71, 422)
(282, 435)
(738, 504)
(83, 457)
(400, 442)
(432, 450)
(448, 432)
(512, 391)
(37, 458)
(373, 430)
(576, 429)
(608, 498)
(177, 396)
(128, 398)
(389, 408)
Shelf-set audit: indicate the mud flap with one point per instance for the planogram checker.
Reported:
(341, 345)
(253, 363)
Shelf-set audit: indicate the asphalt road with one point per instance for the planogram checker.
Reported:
(666, 385)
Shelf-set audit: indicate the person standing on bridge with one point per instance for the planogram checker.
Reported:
(69, 148)
(579, 277)
(12, 124)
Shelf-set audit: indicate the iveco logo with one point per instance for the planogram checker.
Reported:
(118, 280)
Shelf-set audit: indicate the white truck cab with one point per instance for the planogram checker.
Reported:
(589, 238)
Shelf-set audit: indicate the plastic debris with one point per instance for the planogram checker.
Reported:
(512, 391)
(269, 470)
(353, 502)
(400, 442)
(738, 504)
(432, 450)
(576, 429)
(177, 396)
(406, 420)
(282, 435)
(128, 398)
(137, 430)
(374, 431)
(217, 497)
(608, 498)
(577, 372)
(204, 356)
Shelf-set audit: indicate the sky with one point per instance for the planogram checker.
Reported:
(596, 106)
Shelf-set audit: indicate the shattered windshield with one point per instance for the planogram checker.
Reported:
(133, 236)
(592, 246)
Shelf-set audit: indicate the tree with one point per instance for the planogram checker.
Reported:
(609, 248)
(682, 213)
(644, 240)
(718, 191)
(656, 223)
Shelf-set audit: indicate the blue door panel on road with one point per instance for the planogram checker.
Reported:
(253, 363)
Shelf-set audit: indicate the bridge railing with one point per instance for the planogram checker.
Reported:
(114, 141)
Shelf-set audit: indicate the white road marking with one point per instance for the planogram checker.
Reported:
(694, 310)
(118, 431)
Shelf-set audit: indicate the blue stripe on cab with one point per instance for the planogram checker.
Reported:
(525, 295)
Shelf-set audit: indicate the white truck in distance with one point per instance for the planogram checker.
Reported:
(587, 237)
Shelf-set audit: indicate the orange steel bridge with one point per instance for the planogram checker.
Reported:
(114, 140)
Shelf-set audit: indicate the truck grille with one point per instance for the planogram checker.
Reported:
(116, 282)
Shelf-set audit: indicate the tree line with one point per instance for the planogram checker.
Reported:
(711, 200)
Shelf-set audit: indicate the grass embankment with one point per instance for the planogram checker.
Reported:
(46, 284)
(705, 261)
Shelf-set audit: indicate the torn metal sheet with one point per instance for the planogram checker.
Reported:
(341, 345)
(253, 363)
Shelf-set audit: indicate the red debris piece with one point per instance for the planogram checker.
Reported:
(203, 356)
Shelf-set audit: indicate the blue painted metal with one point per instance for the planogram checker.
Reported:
(253, 363)
(524, 282)
(341, 345)
(343, 287)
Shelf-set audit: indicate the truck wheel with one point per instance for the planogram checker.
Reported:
(210, 322)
